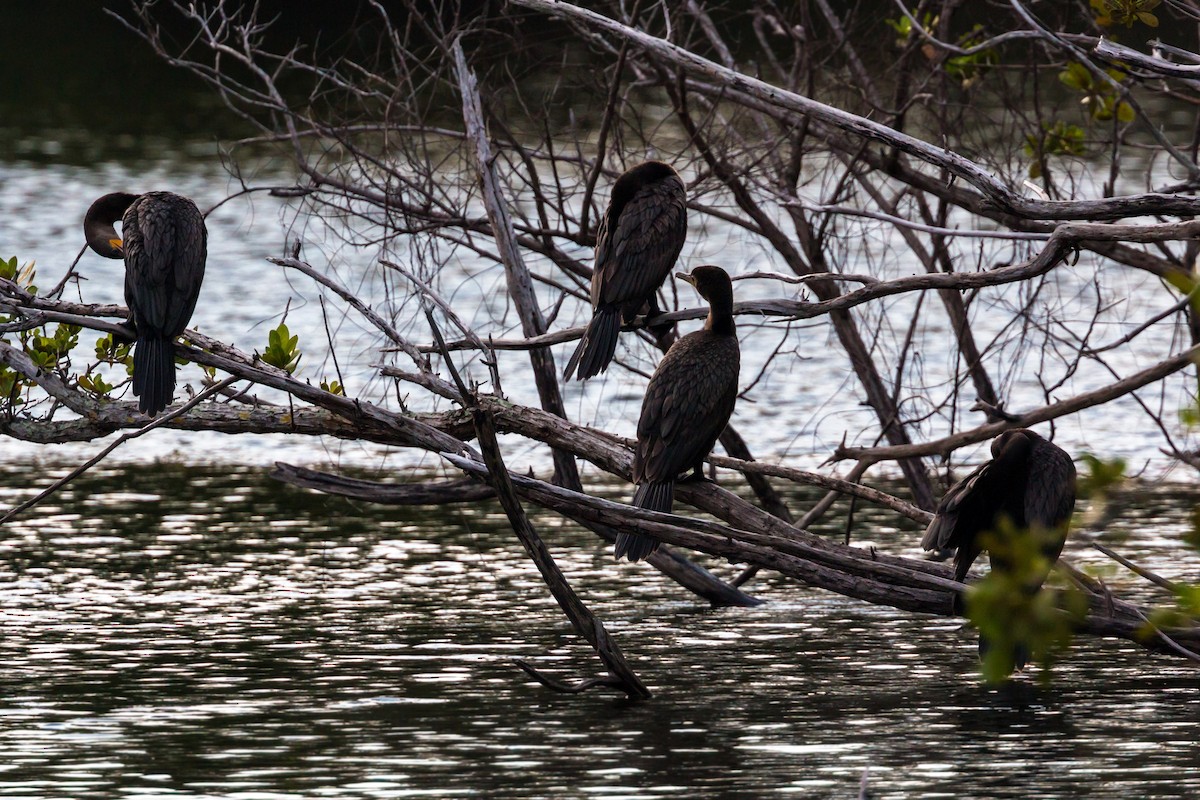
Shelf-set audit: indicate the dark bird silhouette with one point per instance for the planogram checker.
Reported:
(164, 247)
(1031, 483)
(688, 404)
(637, 244)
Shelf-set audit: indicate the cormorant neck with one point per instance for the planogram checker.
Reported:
(720, 313)
(98, 228)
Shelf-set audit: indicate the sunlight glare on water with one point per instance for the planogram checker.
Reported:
(362, 651)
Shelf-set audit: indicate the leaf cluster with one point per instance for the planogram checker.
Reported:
(964, 68)
(1059, 139)
(282, 349)
(1099, 96)
(1017, 618)
(22, 275)
(1110, 13)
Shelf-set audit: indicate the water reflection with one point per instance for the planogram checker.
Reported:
(210, 633)
(202, 632)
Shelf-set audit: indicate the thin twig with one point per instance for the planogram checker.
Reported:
(1158, 580)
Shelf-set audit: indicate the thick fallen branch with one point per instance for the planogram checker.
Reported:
(865, 574)
(463, 490)
(620, 675)
(920, 586)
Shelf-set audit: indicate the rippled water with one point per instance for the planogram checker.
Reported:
(198, 633)
(203, 632)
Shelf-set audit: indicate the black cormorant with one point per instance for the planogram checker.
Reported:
(688, 404)
(164, 247)
(637, 244)
(1031, 483)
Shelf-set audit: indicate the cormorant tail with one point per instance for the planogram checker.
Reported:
(1019, 653)
(153, 373)
(597, 346)
(652, 497)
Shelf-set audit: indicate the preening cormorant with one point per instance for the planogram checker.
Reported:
(164, 248)
(688, 404)
(1029, 481)
(637, 244)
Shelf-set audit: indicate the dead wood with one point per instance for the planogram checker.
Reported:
(803, 179)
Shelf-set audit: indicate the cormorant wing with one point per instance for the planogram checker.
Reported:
(1050, 498)
(165, 251)
(957, 517)
(688, 404)
(636, 251)
(188, 275)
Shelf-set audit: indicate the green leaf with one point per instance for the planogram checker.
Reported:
(1009, 614)
(22, 275)
(1190, 415)
(1125, 12)
(1101, 474)
(109, 351)
(1189, 600)
(1125, 112)
(1076, 76)
(11, 384)
(282, 349)
(95, 384)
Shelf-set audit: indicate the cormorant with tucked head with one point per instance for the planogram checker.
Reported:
(164, 248)
(637, 244)
(1030, 483)
(688, 403)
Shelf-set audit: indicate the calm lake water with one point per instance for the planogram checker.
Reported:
(175, 624)
(189, 632)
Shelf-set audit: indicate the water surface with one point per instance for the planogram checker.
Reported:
(209, 633)
(200, 631)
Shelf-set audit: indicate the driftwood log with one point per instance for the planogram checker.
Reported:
(498, 184)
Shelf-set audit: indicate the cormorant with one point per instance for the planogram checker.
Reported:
(164, 247)
(1031, 483)
(638, 241)
(688, 404)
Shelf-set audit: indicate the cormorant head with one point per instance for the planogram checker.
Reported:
(714, 285)
(1012, 439)
(98, 223)
(711, 282)
(649, 171)
(635, 178)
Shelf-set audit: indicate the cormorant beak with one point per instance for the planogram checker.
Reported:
(116, 244)
(686, 276)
